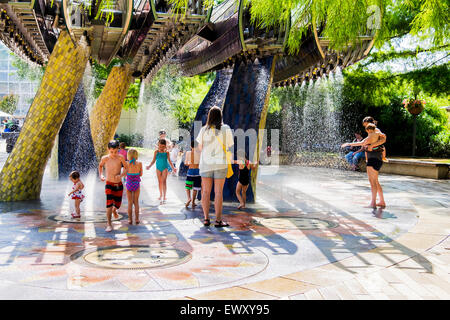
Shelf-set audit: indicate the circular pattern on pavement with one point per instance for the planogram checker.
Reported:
(134, 257)
(86, 216)
(295, 223)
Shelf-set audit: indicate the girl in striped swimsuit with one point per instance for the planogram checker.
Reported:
(134, 174)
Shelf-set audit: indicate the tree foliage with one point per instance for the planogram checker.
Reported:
(9, 103)
(101, 72)
(376, 87)
(176, 95)
(380, 94)
(342, 21)
(24, 70)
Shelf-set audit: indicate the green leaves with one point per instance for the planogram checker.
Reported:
(131, 100)
(432, 21)
(8, 103)
(343, 21)
(177, 95)
(26, 70)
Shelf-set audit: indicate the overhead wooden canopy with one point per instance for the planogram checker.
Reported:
(148, 34)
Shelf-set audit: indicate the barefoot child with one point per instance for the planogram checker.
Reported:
(193, 179)
(244, 177)
(162, 159)
(113, 163)
(134, 174)
(77, 193)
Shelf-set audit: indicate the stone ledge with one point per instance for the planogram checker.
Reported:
(433, 170)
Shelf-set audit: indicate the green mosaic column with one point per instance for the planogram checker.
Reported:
(105, 115)
(21, 177)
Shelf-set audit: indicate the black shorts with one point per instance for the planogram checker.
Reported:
(375, 163)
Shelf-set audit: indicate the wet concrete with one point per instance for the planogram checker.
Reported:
(303, 218)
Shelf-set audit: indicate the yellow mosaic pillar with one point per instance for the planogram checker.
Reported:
(262, 125)
(21, 177)
(105, 115)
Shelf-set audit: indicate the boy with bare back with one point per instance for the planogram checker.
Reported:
(113, 163)
(193, 179)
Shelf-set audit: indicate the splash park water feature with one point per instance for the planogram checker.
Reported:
(301, 219)
(306, 224)
(145, 36)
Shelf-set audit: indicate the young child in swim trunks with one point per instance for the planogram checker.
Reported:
(113, 163)
(193, 179)
(76, 193)
(134, 174)
(162, 159)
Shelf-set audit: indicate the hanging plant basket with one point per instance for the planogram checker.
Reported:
(414, 106)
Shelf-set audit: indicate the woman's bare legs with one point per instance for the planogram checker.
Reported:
(382, 203)
(135, 197)
(130, 206)
(372, 174)
(218, 197)
(206, 195)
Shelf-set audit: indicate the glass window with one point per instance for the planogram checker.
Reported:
(3, 64)
(13, 76)
(25, 88)
(14, 88)
(4, 88)
(3, 76)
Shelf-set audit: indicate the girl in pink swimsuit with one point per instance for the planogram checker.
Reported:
(134, 174)
(77, 193)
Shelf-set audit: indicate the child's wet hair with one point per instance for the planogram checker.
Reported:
(369, 119)
(113, 144)
(371, 127)
(132, 154)
(163, 142)
(194, 144)
(74, 175)
(122, 145)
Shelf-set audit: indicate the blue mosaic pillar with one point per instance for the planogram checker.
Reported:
(76, 148)
(245, 108)
(214, 97)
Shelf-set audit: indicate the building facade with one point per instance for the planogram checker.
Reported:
(24, 89)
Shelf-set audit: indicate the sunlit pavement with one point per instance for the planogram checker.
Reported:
(309, 236)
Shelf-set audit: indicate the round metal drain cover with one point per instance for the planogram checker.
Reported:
(295, 223)
(135, 257)
(86, 216)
